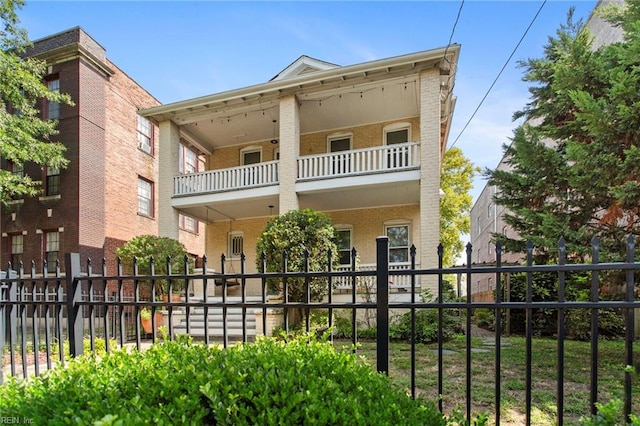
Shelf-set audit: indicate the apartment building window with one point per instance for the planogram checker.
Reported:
(489, 208)
(490, 284)
(18, 171)
(188, 223)
(344, 243)
(397, 133)
(339, 142)
(17, 249)
(236, 243)
(145, 197)
(188, 160)
(53, 108)
(52, 181)
(51, 246)
(504, 230)
(145, 135)
(398, 242)
(489, 248)
(250, 155)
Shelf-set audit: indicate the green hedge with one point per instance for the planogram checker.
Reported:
(269, 382)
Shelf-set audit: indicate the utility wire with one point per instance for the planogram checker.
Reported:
(500, 73)
(453, 30)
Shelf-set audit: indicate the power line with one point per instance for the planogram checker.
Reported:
(500, 73)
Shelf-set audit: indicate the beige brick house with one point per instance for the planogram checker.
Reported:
(362, 143)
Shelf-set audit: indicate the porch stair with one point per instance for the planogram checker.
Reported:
(215, 324)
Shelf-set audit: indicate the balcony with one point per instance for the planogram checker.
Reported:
(376, 160)
(221, 180)
(382, 159)
(363, 178)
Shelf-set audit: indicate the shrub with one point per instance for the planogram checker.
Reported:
(161, 249)
(297, 232)
(269, 382)
(426, 321)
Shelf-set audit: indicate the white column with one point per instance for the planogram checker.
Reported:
(168, 158)
(430, 163)
(289, 152)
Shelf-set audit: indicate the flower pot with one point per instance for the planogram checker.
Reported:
(147, 326)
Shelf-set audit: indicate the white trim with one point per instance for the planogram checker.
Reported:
(339, 136)
(230, 236)
(249, 150)
(393, 127)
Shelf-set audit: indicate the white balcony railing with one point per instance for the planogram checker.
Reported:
(399, 282)
(243, 177)
(362, 161)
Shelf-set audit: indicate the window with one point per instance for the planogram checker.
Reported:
(504, 230)
(397, 133)
(489, 248)
(18, 172)
(398, 242)
(338, 143)
(394, 134)
(188, 223)
(489, 208)
(52, 181)
(145, 197)
(189, 162)
(17, 248)
(53, 108)
(250, 155)
(236, 241)
(145, 135)
(490, 284)
(343, 241)
(51, 246)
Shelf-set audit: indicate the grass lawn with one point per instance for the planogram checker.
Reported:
(611, 364)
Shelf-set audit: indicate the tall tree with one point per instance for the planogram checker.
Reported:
(574, 164)
(24, 136)
(455, 204)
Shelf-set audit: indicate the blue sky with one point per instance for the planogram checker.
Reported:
(179, 50)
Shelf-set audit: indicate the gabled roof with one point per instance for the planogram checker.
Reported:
(303, 65)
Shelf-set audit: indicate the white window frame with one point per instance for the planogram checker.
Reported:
(397, 224)
(250, 150)
(185, 167)
(17, 249)
(51, 245)
(349, 229)
(235, 250)
(145, 135)
(53, 108)
(187, 223)
(394, 127)
(145, 197)
(337, 137)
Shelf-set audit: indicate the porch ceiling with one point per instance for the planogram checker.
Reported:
(362, 197)
(340, 97)
(334, 109)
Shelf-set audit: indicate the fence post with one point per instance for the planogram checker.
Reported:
(382, 301)
(74, 295)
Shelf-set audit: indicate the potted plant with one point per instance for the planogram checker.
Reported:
(145, 320)
(143, 248)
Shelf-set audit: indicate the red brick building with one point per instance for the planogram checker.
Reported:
(107, 194)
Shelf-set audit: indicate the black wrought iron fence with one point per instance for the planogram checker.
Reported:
(49, 313)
